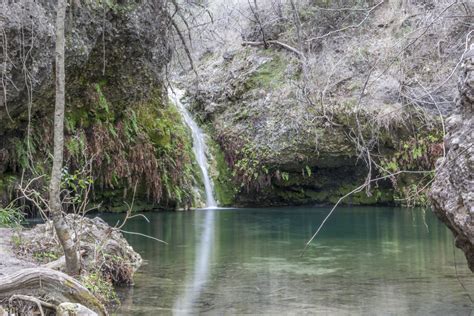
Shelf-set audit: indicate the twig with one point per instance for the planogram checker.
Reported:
(457, 274)
(347, 27)
(361, 187)
(440, 115)
(283, 45)
(466, 50)
(185, 46)
(356, 190)
(143, 235)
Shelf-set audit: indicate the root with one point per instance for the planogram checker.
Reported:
(34, 300)
(27, 284)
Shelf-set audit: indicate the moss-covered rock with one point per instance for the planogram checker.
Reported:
(282, 149)
(224, 187)
(117, 110)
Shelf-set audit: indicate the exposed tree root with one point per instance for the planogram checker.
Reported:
(34, 300)
(56, 286)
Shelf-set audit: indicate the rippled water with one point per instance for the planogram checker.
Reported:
(247, 261)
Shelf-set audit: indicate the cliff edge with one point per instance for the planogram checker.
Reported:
(452, 193)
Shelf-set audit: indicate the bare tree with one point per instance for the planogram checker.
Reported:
(55, 205)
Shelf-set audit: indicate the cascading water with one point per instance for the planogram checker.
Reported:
(199, 145)
(195, 283)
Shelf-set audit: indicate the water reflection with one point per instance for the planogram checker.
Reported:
(195, 282)
(365, 261)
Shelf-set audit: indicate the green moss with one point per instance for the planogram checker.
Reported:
(269, 75)
(76, 145)
(297, 196)
(224, 186)
(377, 196)
(178, 144)
(151, 121)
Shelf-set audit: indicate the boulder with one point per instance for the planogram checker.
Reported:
(100, 244)
(74, 309)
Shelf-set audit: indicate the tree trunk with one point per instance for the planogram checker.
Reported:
(60, 225)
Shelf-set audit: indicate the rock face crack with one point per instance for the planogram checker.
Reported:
(452, 193)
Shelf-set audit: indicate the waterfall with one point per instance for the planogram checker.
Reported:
(199, 145)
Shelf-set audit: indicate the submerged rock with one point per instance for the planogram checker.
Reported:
(452, 193)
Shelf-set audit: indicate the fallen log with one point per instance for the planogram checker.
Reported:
(55, 286)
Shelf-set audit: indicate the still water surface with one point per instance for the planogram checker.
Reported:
(367, 261)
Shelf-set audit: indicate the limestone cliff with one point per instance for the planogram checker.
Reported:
(452, 193)
(117, 115)
(296, 127)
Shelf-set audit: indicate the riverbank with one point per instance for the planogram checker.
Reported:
(28, 287)
(31, 264)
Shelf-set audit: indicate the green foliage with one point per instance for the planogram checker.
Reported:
(413, 154)
(45, 256)
(76, 145)
(7, 183)
(131, 125)
(144, 142)
(101, 288)
(11, 216)
(102, 100)
(77, 183)
(21, 150)
(77, 117)
(147, 143)
(249, 169)
(308, 171)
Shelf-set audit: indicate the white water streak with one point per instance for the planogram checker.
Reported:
(185, 303)
(199, 146)
(194, 285)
